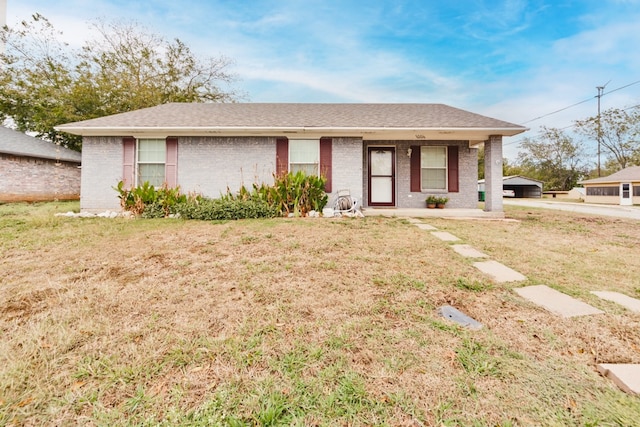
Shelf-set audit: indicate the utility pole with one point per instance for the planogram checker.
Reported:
(600, 89)
(599, 95)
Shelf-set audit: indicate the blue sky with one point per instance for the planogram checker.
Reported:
(510, 59)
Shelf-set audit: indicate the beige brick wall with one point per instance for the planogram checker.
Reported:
(31, 179)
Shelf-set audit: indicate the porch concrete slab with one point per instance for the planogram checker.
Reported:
(468, 251)
(624, 375)
(445, 236)
(556, 302)
(500, 272)
(455, 315)
(629, 303)
(425, 227)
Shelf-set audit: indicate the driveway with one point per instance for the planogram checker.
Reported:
(632, 212)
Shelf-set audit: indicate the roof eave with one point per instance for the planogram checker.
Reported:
(40, 156)
(368, 133)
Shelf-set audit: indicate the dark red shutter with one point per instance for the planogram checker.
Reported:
(128, 161)
(282, 156)
(171, 164)
(416, 185)
(452, 167)
(326, 162)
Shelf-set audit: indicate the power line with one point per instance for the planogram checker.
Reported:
(573, 105)
(557, 111)
(572, 125)
(581, 102)
(622, 87)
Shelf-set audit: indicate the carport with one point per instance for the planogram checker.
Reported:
(521, 186)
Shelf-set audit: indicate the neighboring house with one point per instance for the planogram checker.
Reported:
(35, 170)
(577, 193)
(386, 155)
(518, 186)
(620, 188)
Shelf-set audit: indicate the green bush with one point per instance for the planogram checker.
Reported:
(291, 193)
(225, 209)
(298, 193)
(149, 202)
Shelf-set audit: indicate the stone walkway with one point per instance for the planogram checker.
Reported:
(556, 302)
(625, 376)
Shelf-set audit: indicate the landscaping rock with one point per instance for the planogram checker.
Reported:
(455, 315)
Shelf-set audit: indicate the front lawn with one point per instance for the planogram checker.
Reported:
(308, 321)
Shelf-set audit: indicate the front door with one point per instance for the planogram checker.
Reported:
(382, 176)
(625, 194)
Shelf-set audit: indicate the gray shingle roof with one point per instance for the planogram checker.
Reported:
(20, 144)
(283, 115)
(630, 174)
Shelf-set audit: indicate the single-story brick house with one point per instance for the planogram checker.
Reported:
(35, 170)
(620, 188)
(387, 155)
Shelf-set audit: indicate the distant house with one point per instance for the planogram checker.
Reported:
(578, 193)
(620, 188)
(35, 170)
(386, 155)
(518, 186)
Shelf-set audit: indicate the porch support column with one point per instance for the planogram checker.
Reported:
(493, 174)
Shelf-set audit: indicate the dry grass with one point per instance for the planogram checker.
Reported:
(307, 322)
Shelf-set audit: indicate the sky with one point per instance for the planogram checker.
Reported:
(515, 60)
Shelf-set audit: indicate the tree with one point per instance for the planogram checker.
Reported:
(553, 157)
(619, 134)
(45, 83)
(507, 168)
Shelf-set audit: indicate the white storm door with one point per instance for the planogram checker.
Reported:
(382, 180)
(626, 197)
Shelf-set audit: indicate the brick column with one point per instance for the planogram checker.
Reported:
(493, 174)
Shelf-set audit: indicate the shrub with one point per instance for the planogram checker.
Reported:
(225, 209)
(291, 193)
(149, 202)
(298, 193)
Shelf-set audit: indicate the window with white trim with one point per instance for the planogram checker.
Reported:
(433, 168)
(304, 155)
(152, 155)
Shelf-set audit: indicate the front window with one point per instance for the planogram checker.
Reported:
(304, 155)
(433, 168)
(151, 161)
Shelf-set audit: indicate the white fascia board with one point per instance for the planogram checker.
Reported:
(475, 134)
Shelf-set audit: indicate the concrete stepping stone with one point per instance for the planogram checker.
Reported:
(624, 375)
(622, 299)
(425, 227)
(445, 236)
(499, 272)
(453, 314)
(468, 251)
(414, 221)
(556, 302)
